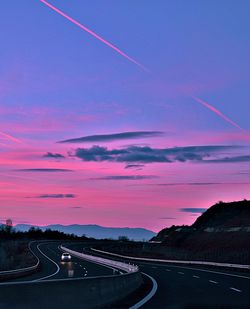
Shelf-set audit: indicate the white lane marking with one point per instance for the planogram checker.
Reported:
(212, 281)
(167, 269)
(154, 267)
(150, 294)
(180, 272)
(197, 277)
(57, 266)
(236, 290)
(199, 269)
(162, 265)
(94, 262)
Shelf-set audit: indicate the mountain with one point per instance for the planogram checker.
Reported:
(225, 216)
(95, 231)
(221, 217)
(222, 234)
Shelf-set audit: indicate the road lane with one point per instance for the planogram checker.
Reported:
(193, 287)
(53, 268)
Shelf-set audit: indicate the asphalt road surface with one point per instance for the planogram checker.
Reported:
(195, 287)
(57, 285)
(176, 286)
(53, 268)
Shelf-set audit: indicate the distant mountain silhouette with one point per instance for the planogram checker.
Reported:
(95, 231)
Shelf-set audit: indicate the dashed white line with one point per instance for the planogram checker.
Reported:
(212, 281)
(167, 269)
(197, 277)
(236, 290)
(154, 267)
(180, 272)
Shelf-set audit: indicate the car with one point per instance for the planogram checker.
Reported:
(66, 257)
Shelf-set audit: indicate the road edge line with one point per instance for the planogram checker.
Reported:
(150, 294)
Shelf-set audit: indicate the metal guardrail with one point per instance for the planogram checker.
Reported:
(14, 273)
(96, 259)
(230, 265)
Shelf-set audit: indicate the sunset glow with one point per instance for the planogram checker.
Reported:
(92, 136)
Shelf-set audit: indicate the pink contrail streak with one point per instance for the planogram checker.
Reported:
(216, 111)
(13, 139)
(94, 35)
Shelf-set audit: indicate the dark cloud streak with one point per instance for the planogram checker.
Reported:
(53, 155)
(113, 137)
(125, 177)
(67, 195)
(44, 170)
(146, 154)
(193, 210)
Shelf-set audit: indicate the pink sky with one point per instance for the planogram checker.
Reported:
(146, 148)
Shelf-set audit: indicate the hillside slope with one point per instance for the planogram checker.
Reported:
(222, 233)
(225, 215)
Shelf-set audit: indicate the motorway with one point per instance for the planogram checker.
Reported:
(56, 285)
(53, 268)
(195, 287)
(176, 286)
(184, 287)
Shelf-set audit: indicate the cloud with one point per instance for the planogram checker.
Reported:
(146, 154)
(76, 207)
(167, 218)
(53, 155)
(189, 184)
(193, 210)
(175, 184)
(68, 195)
(137, 166)
(45, 170)
(125, 177)
(113, 137)
(236, 159)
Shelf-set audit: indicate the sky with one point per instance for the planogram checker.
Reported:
(123, 113)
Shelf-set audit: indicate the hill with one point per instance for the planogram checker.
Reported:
(95, 231)
(225, 216)
(221, 217)
(222, 234)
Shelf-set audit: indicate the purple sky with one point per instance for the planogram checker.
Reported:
(123, 113)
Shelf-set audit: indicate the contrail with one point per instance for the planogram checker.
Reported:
(216, 111)
(95, 35)
(213, 109)
(12, 138)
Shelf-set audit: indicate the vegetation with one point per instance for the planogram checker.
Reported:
(15, 254)
(221, 234)
(14, 251)
(7, 233)
(225, 215)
